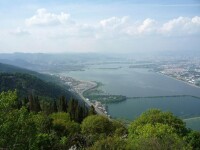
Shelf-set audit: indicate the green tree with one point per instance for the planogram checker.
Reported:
(85, 111)
(31, 103)
(96, 127)
(25, 101)
(193, 138)
(7, 101)
(155, 116)
(17, 128)
(55, 108)
(43, 122)
(96, 124)
(157, 136)
(43, 141)
(157, 130)
(79, 114)
(64, 129)
(72, 106)
(92, 110)
(63, 125)
(119, 128)
(109, 143)
(37, 107)
(62, 107)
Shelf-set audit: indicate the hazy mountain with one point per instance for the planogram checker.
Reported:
(27, 82)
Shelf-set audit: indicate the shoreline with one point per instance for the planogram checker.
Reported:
(166, 96)
(92, 83)
(191, 118)
(80, 86)
(193, 85)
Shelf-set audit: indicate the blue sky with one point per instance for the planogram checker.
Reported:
(99, 26)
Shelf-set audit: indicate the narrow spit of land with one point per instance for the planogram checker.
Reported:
(79, 87)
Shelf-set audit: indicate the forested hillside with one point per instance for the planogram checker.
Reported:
(33, 82)
(26, 84)
(5, 68)
(21, 128)
(39, 92)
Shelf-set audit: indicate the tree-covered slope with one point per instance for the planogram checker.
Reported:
(21, 128)
(6, 68)
(27, 84)
(33, 82)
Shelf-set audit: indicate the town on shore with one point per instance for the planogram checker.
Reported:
(183, 69)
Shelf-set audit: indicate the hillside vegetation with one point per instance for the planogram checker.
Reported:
(21, 128)
(30, 82)
(6, 68)
(26, 85)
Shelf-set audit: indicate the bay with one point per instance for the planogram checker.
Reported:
(132, 82)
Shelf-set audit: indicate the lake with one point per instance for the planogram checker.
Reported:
(184, 107)
(119, 79)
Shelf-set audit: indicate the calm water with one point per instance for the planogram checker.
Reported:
(135, 82)
(141, 82)
(184, 107)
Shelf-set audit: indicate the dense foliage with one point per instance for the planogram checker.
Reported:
(21, 128)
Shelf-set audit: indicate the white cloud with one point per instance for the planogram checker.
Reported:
(114, 27)
(147, 26)
(20, 32)
(45, 18)
(111, 27)
(111, 33)
(181, 26)
(114, 22)
(196, 20)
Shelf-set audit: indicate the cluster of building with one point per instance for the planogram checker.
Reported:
(187, 70)
(77, 85)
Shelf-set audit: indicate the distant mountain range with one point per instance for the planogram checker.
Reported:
(42, 62)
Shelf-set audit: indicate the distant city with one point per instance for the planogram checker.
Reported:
(186, 70)
(181, 68)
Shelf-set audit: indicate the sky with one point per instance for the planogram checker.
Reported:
(103, 26)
